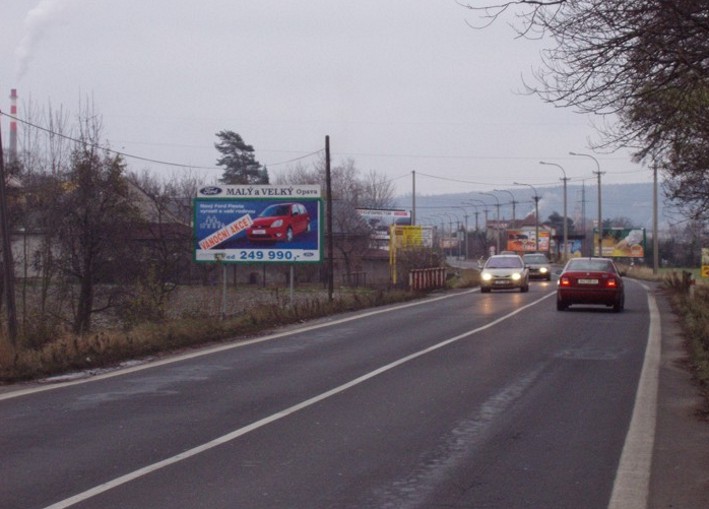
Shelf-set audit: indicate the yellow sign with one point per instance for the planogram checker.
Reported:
(705, 262)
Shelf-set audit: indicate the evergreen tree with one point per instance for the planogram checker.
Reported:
(240, 165)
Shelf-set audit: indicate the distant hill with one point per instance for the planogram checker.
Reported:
(632, 201)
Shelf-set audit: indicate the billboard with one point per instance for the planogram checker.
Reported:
(621, 242)
(380, 221)
(525, 240)
(247, 224)
(412, 236)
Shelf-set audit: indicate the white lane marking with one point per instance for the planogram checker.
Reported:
(631, 487)
(222, 348)
(101, 488)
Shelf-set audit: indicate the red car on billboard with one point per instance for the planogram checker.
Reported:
(279, 222)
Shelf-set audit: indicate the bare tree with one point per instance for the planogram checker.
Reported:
(91, 218)
(349, 192)
(377, 191)
(642, 63)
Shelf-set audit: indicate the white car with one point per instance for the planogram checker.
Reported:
(504, 272)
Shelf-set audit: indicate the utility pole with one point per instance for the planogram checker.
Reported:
(413, 198)
(8, 265)
(330, 243)
(600, 217)
(655, 239)
(583, 215)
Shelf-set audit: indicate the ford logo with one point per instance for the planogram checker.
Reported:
(210, 191)
(308, 255)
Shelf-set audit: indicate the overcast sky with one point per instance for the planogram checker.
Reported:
(398, 85)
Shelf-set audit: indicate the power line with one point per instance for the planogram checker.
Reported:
(137, 157)
(295, 159)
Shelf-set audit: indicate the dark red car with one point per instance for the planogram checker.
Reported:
(281, 221)
(590, 281)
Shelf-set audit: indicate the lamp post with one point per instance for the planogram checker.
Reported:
(497, 221)
(457, 228)
(476, 211)
(598, 173)
(465, 233)
(536, 213)
(514, 202)
(565, 179)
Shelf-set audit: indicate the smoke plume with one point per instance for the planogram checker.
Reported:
(38, 22)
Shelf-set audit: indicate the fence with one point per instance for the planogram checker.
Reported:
(427, 279)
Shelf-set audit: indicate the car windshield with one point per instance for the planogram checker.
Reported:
(504, 262)
(535, 259)
(590, 265)
(275, 210)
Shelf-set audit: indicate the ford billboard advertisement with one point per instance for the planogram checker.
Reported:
(249, 224)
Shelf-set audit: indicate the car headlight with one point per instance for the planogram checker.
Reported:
(277, 223)
(543, 270)
(486, 276)
(516, 276)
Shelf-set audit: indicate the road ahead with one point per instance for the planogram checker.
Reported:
(463, 400)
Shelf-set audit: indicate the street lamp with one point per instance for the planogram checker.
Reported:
(600, 216)
(467, 204)
(457, 225)
(514, 202)
(566, 226)
(536, 213)
(465, 233)
(497, 225)
(476, 213)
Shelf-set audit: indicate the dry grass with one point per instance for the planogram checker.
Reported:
(191, 317)
(692, 304)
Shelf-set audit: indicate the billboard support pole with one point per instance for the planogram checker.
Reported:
(219, 257)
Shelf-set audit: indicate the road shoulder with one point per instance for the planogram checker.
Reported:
(680, 467)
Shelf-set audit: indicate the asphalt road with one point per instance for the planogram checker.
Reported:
(462, 400)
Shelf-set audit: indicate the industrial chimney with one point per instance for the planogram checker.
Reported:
(12, 156)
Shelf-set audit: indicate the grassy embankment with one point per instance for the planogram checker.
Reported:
(691, 303)
(191, 318)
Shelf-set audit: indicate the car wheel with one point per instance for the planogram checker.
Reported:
(619, 305)
(524, 288)
(484, 289)
(289, 234)
(561, 305)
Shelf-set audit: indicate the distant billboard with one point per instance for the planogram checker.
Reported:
(621, 242)
(412, 237)
(525, 240)
(380, 222)
(247, 224)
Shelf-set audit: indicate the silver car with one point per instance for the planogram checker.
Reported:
(504, 272)
(538, 265)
